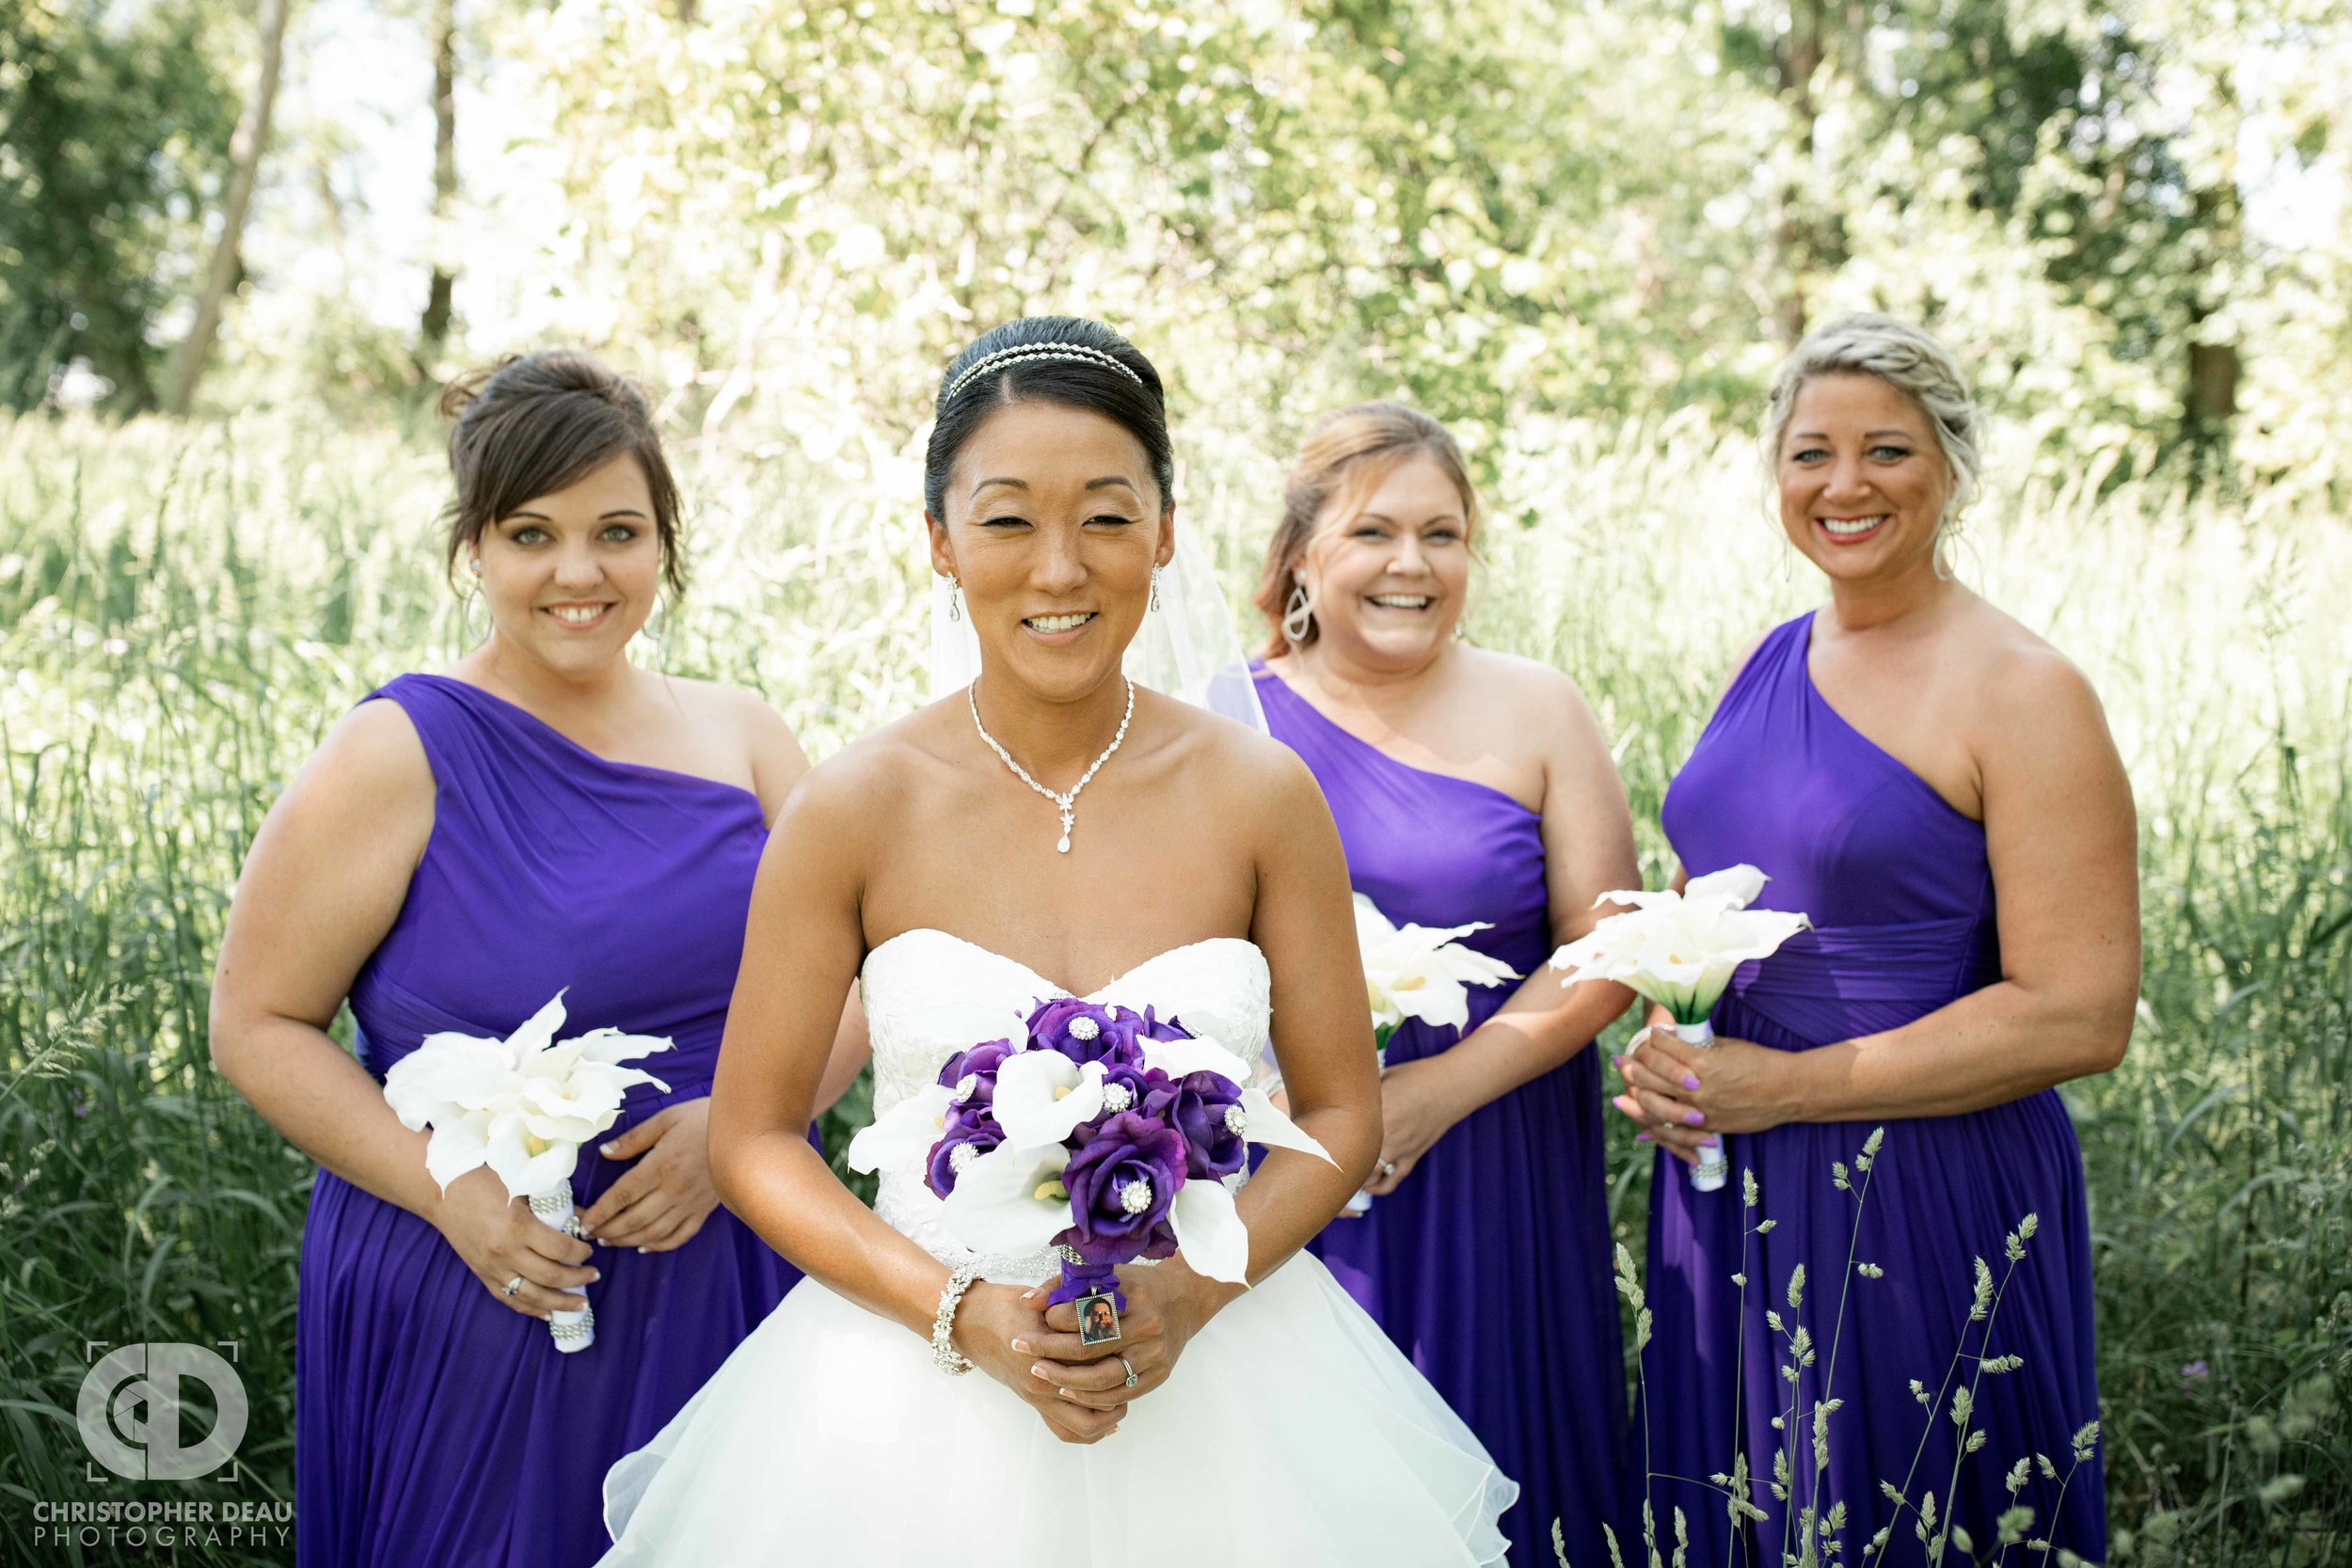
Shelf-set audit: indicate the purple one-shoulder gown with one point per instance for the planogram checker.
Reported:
(1490, 1265)
(1900, 894)
(435, 1425)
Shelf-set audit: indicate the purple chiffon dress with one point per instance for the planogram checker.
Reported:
(1490, 1265)
(1900, 894)
(433, 1425)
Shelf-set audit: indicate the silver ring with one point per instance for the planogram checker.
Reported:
(1131, 1371)
(512, 1286)
(1387, 1168)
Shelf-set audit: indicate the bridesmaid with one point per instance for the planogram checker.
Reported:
(1935, 787)
(1468, 786)
(542, 816)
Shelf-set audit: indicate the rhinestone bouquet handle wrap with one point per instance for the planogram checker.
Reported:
(571, 1331)
(1714, 1166)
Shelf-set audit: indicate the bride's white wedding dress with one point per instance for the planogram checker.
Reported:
(1292, 1431)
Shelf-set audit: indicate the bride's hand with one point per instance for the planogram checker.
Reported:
(998, 1329)
(1163, 1314)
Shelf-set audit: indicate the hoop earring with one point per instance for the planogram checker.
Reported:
(955, 597)
(1299, 615)
(656, 630)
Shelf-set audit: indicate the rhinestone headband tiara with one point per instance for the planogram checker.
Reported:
(1024, 352)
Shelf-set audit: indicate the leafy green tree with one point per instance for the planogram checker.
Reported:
(113, 125)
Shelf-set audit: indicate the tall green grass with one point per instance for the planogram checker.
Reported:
(184, 612)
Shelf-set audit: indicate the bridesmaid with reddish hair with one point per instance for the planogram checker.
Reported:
(1935, 787)
(1468, 787)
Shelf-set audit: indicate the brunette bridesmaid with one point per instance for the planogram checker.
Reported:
(1935, 787)
(542, 816)
(1468, 787)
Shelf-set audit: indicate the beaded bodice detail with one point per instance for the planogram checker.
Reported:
(928, 995)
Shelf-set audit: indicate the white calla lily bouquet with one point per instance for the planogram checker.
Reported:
(1418, 972)
(1678, 950)
(522, 1106)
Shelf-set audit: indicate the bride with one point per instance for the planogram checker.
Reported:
(1191, 866)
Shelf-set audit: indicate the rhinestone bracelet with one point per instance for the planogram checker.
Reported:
(943, 1354)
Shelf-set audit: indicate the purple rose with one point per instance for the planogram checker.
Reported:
(979, 1064)
(1172, 1030)
(1195, 1105)
(1120, 1185)
(1084, 1032)
(978, 1134)
(1130, 1083)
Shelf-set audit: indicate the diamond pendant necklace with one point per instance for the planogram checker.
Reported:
(1066, 804)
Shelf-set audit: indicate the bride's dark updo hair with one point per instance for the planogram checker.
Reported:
(1064, 359)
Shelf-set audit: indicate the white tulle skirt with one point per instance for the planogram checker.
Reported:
(1292, 1433)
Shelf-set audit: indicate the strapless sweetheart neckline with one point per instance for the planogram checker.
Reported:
(1097, 993)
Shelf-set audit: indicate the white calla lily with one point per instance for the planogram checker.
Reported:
(1264, 1122)
(522, 1105)
(1041, 1096)
(1010, 1202)
(1679, 950)
(1180, 1058)
(1209, 1231)
(1420, 972)
(904, 1133)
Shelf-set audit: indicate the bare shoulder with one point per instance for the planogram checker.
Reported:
(1241, 768)
(2025, 682)
(734, 709)
(1521, 680)
(882, 778)
(368, 788)
(371, 758)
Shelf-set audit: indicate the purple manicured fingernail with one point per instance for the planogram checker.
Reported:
(1711, 1141)
(1641, 1137)
(1697, 1118)
(1690, 1081)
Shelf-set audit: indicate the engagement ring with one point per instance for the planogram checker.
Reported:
(513, 1285)
(1131, 1371)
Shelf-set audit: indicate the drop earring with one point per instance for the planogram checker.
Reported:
(474, 599)
(955, 597)
(1156, 587)
(1299, 615)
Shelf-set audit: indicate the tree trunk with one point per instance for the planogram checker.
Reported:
(434, 328)
(244, 162)
(1794, 228)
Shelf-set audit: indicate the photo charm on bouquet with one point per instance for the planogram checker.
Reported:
(1098, 1319)
(1100, 1134)
(1678, 951)
(523, 1106)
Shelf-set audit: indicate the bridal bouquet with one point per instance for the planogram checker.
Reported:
(1102, 1133)
(1678, 951)
(523, 1106)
